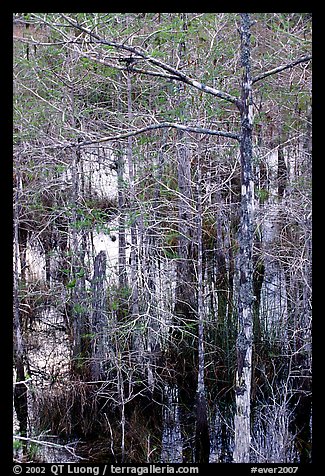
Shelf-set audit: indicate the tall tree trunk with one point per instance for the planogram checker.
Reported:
(98, 318)
(122, 270)
(151, 270)
(132, 209)
(185, 296)
(202, 427)
(245, 299)
(79, 315)
(122, 274)
(80, 321)
(20, 390)
(184, 286)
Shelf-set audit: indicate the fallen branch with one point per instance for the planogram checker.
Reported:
(68, 448)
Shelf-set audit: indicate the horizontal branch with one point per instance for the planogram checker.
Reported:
(281, 68)
(173, 71)
(124, 135)
(131, 68)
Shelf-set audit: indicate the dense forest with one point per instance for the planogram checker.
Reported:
(162, 237)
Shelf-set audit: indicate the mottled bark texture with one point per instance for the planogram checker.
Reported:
(122, 274)
(79, 317)
(23, 240)
(98, 320)
(185, 296)
(132, 210)
(245, 298)
(282, 173)
(121, 193)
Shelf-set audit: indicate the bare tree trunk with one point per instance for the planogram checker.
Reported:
(98, 320)
(151, 268)
(245, 306)
(132, 210)
(80, 321)
(185, 295)
(20, 390)
(202, 427)
(23, 240)
(184, 286)
(282, 172)
(122, 274)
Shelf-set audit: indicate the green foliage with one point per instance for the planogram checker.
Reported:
(89, 335)
(79, 308)
(80, 273)
(170, 254)
(17, 444)
(71, 284)
(65, 271)
(92, 218)
(82, 223)
(262, 194)
(33, 450)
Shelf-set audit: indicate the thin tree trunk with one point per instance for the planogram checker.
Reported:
(98, 320)
(23, 240)
(184, 287)
(202, 427)
(185, 296)
(245, 306)
(80, 321)
(20, 390)
(132, 210)
(122, 274)
(282, 173)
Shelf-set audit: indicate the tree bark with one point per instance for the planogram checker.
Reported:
(20, 390)
(202, 426)
(98, 320)
(122, 274)
(79, 317)
(132, 210)
(184, 287)
(184, 302)
(80, 321)
(245, 299)
(282, 173)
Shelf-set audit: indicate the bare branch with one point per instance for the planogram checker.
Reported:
(97, 59)
(125, 135)
(281, 68)
(68, 448)
(139, 52)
